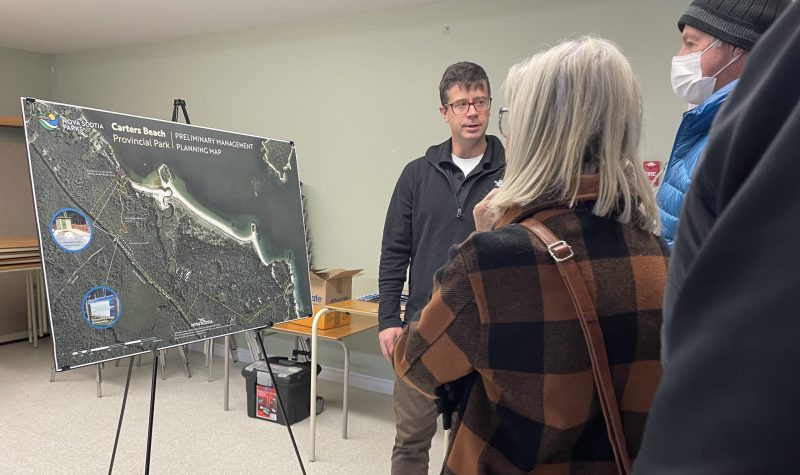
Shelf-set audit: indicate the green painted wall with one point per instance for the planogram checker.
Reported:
(22, 73)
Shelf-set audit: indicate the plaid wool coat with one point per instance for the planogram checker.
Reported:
(501, 310)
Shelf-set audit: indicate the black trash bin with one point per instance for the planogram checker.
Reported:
(294, 383)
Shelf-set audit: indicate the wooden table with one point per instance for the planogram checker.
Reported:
(364, 316)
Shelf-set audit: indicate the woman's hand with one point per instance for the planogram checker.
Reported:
(484, 220)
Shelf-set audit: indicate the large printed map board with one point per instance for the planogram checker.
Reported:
(155, 234)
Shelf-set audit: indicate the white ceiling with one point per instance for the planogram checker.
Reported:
(66, 26)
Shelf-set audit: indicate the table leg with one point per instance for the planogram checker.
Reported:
(314, 332)
(346, 387)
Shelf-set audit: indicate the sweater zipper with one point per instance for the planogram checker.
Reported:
(453, 189)
(469, 189)
(459, 210)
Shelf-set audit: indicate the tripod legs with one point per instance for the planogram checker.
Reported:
(152, 410)
(121, 414)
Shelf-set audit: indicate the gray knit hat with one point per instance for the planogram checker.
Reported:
(737, 22)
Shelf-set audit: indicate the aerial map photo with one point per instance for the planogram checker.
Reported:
(156, 234)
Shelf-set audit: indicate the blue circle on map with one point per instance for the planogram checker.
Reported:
(101, 307)
(71, 230)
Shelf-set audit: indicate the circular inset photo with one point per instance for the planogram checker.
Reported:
(71, 230)
(101, 307)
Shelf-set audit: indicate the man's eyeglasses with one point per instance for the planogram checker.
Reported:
(502, 122)
(481, 104)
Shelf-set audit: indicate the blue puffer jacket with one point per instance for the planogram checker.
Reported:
(689, 144)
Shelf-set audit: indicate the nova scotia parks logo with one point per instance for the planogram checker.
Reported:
(49, 121)
(202, 322)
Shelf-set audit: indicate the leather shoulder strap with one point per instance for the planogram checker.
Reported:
(593, 334)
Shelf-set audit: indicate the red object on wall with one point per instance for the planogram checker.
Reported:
(652, 169)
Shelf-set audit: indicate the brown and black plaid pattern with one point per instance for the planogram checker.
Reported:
(500, 308)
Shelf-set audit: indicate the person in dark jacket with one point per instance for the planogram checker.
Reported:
(501, 326)
(430, 210)
(717, 36)
(729, 402)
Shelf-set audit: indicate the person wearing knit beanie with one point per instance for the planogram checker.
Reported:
(735, 22)
(717, 36)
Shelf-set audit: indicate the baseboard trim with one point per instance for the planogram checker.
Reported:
(357, 380)
(14, 337)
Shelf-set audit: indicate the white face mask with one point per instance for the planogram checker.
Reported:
(687, 77)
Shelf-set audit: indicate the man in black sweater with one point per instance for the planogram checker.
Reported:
(430, 210)
(729, 400)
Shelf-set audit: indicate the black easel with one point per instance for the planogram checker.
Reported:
(182, 104)
(178, 103)
(121, 415)
(152, 410)
(280, 401)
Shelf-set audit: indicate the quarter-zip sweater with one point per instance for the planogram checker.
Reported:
(430, 210)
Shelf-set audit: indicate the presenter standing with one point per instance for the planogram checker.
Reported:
(430, 210)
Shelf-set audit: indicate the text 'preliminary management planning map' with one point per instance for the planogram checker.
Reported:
(156, 234)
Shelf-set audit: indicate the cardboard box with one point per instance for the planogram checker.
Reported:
(330, 286)
(327, 321)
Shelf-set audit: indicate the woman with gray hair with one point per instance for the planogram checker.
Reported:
(542, 334)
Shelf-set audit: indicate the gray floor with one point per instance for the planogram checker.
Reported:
(61, 427)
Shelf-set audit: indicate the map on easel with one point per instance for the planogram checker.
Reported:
(156, 234)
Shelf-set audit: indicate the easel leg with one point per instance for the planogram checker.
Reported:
(227, 372)
(53, 369)
(233, 349)
(40, 296)
(29, 293)
(210, 358)
(152, 410)
(182, 352)
(99, 382)
(163, 355)
(121, 415)
(280, 401)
